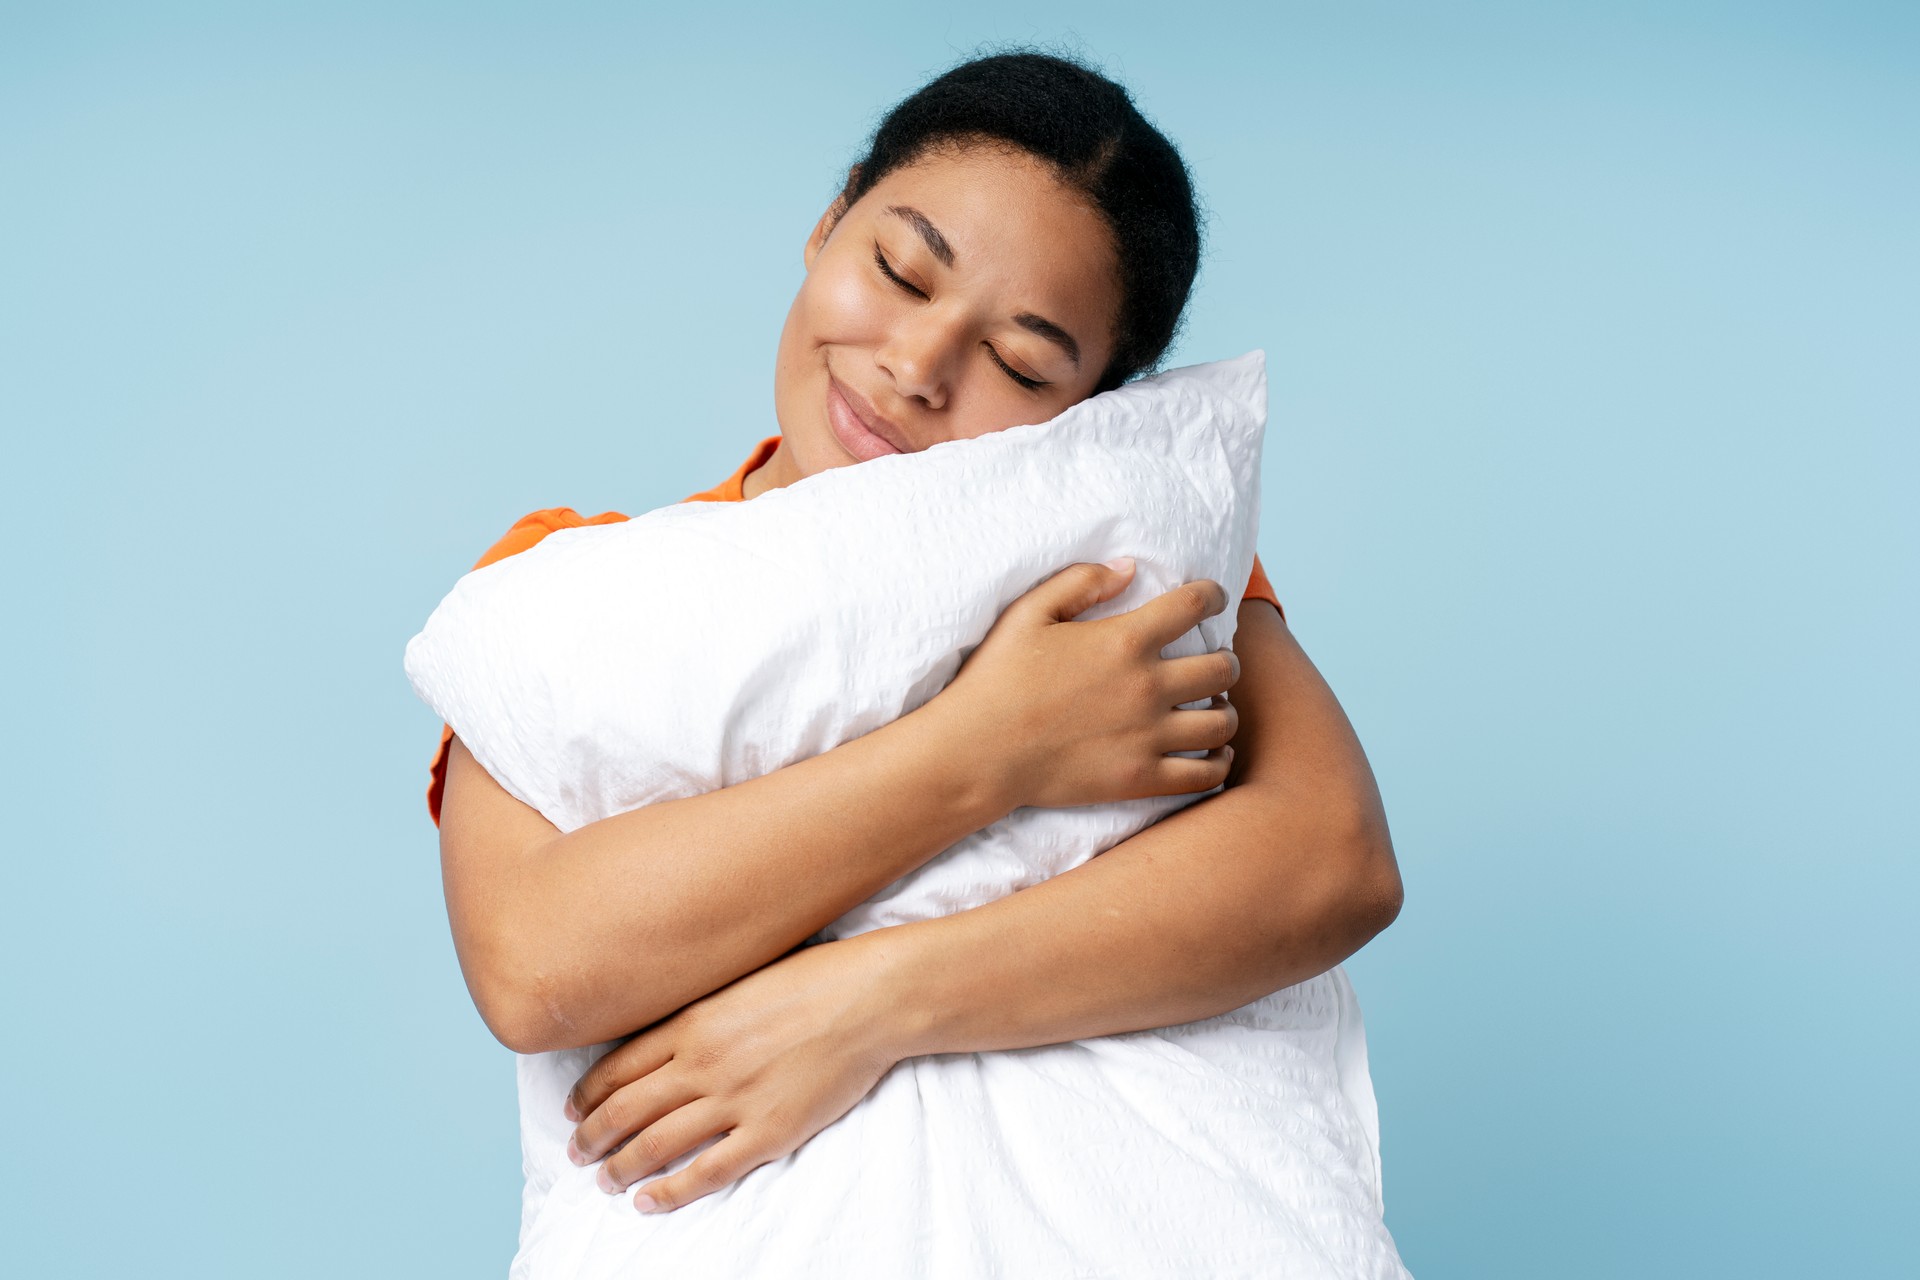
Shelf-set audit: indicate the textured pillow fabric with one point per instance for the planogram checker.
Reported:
(704, 644)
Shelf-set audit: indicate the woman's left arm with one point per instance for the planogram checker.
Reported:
(1275, 879)
(1281, 875)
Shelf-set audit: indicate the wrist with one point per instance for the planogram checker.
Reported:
(899, 1016)
(977, 780)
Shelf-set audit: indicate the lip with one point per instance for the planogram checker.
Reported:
(863, 433)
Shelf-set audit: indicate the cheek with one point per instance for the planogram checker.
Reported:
(994, 402)
(841, 306)
(828, 310)
(831, 308)
(989, 418)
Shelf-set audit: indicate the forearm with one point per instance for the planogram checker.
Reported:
(1210, 908)
(1280, 876)
(626, 920)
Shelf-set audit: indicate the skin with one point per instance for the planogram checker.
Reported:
(1022, 245)
(747, 1037)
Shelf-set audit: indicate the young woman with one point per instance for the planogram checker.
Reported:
(1017, 239)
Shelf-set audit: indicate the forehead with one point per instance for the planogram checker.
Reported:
(1016, 231)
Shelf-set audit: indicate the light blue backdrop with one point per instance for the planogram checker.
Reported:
(1592, 334)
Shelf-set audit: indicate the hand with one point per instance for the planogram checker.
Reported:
(770, 1059)
(1085, 712)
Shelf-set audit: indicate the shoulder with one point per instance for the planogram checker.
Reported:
(1260, 588)
(535, 525)
(525, 532)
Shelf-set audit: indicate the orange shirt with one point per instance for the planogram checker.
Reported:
(529, 529)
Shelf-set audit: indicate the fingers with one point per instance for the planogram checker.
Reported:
(733, 1157)
(1199, 676)
(661, 1142)
(615, 1069)
(1179, 775)
(1171, 614)
(725, 1162)
(1079, 587)
(627, 1111)
(1200, 730)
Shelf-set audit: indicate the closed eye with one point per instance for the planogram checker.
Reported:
(886, 269)
(1030, 384)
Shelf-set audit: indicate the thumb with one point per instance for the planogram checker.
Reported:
(1079, 587)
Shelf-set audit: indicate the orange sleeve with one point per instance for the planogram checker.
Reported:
(1258, 588)
(526, 532)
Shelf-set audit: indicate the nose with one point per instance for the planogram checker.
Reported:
(919, 355)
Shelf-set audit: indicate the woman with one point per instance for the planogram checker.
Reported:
(1016, 239)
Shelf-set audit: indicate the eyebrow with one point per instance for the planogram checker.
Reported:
(1051, 332)
(919, 221)
(938, 246)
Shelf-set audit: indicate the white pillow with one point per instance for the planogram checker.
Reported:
(706, 643)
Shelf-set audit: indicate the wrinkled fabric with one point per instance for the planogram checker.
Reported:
(705, 644)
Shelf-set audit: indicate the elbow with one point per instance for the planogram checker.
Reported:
(510, 1014)
(1382, 897)
(529, 1008)
(1379, 892)
(531, 1013)
(1372, 892)
(514, 1026)
(526, 1018)
(523, 1012)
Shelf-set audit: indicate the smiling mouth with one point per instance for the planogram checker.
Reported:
(850, 427)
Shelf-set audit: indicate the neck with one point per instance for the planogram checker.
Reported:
(777, 472)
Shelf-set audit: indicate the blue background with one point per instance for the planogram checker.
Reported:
(1592, 334)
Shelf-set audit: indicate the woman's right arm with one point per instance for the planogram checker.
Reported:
(569, 940)
(572, 939)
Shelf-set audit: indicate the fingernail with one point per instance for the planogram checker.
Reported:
(1122, 563)
(572, 1112)
(645, 1203)
(605, 1179)
(574, 1153)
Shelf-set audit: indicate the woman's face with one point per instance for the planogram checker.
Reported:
(965, 293)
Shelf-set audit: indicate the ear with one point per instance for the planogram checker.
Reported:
(822, 229)
(828, 220)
